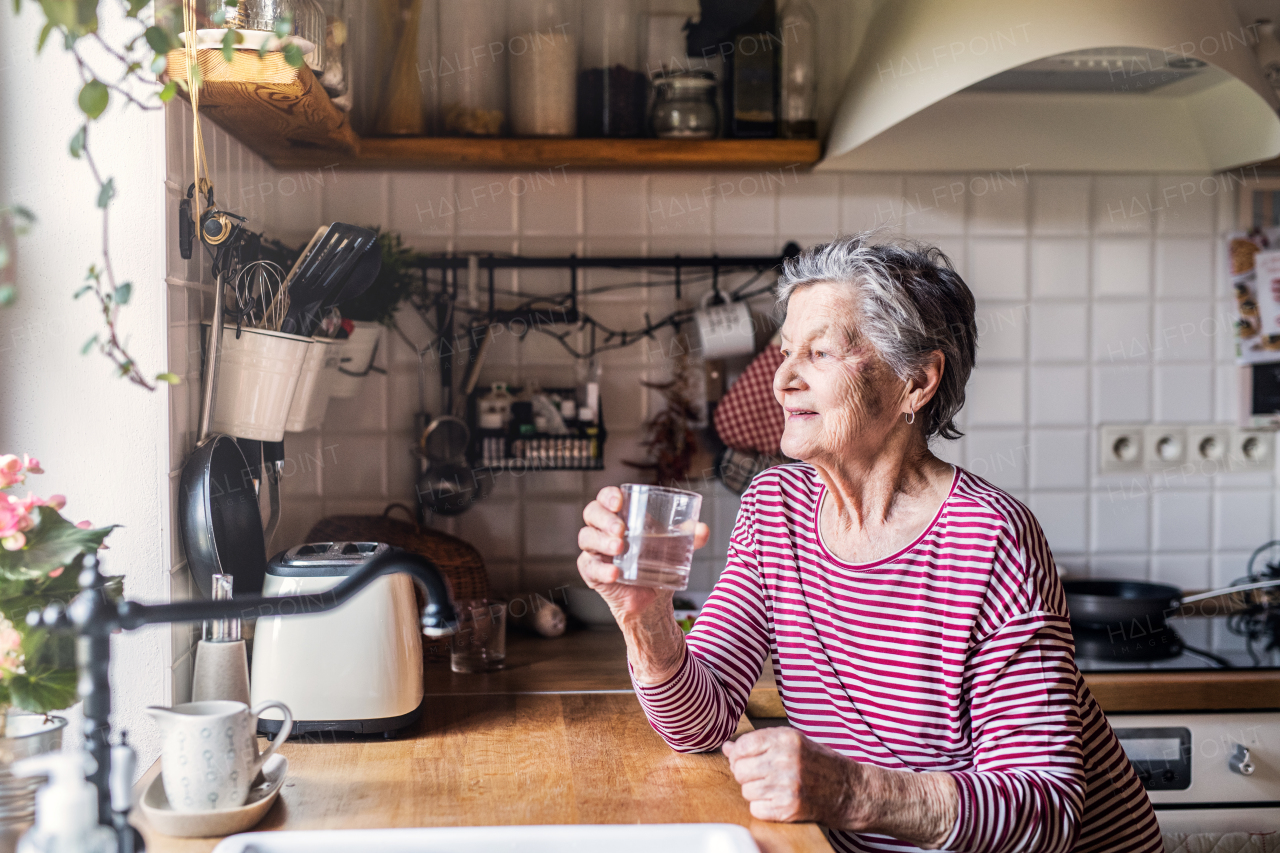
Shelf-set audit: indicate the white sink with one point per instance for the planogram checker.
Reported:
(623, 838)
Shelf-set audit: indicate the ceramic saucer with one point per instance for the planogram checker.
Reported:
(161, 816)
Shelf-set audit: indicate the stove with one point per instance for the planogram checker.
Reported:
(1178, 644)
(1205, 772)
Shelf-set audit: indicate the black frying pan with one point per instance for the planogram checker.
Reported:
(221, 522)
(1100, 603)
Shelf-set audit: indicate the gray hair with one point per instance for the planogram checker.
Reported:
(911, 303)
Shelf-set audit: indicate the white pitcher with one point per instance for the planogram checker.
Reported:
(209, 753)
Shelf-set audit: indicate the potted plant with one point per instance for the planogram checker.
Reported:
(38, 551)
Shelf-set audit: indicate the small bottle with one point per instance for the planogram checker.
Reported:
(66, 807)
(799, 36)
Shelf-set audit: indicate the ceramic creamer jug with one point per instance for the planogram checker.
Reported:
(209, 752)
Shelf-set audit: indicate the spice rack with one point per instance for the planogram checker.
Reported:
(582, 449)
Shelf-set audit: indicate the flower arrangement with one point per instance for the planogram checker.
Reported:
(37, 545)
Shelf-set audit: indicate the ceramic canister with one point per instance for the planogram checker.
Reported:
(209, 752)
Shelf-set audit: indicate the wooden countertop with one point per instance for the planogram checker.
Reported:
(508, 759)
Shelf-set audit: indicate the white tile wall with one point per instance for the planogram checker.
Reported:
(1096, 306)
(243, 184)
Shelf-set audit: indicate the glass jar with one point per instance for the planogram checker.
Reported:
(611, 88)
(684, 105)
(400, 111)
(543, 66)
(336, 28)
(798, 31)
(470, 67)
(308, 23)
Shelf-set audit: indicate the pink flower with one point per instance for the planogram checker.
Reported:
(10, 648)
(56, 502)
(85, 525)
(10, 471)
(31, 464)
(14, 542)
(15, 517)
(55, 572)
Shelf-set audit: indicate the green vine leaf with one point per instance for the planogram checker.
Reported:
(293, 55)
(94, 98)
(8, 295)
(136, 6)
(88, 345)
(123, 292)
(44, 36)
(159, 65)
(159, 40)
(77, 142)
(107, 192)
(170, 89)
(171, 378)
(229, 43)
(283, 26)
(82, 291)
(219, 18)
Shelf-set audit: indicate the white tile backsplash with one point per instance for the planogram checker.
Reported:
(1059, 267)
(997, 267)
(1098, 302)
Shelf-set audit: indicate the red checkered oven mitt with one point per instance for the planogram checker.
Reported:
(748, 416)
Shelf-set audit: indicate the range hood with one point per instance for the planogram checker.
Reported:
(1078, 86)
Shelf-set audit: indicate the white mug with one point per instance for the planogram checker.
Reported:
(725, 330)
(209, 752)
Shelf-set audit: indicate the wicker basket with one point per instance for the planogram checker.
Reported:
(457, 560)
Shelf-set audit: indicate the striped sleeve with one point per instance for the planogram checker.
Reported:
(1026, 789)
(698, 708)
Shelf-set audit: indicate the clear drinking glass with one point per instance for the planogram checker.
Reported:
(660, 527)
(480, 645)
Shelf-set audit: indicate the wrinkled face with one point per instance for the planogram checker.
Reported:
(839, 397)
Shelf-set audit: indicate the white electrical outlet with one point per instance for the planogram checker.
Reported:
(1164, 446)
(1252, 450)
(1208, 447)
(1120, 448)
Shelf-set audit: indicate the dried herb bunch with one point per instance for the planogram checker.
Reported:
(669, 435)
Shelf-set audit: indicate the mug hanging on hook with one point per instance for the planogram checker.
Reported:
(725, 330)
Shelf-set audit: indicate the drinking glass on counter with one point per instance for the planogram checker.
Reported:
(660, 526)
(480, 645)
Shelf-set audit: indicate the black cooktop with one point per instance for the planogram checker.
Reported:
(1178, 644)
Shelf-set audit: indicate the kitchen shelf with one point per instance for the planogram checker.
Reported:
(296, 126)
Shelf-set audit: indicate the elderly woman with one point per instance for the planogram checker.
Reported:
(911, 611)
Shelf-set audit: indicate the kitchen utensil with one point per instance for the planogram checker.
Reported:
(222, 661)
(660, 529)
(262, 796)
(355, 359)
(258, 376)
(209, 752)
(311, 395)
(1103, 603)
(362, 276)
(724, 330)
(355, 669)
(221, 521)
(325, 263)
(447, 485)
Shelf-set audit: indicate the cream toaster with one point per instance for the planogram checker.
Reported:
(357, 668)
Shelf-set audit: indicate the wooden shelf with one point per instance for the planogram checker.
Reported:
(297, 127)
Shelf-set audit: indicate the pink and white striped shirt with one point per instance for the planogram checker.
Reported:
(954, 654)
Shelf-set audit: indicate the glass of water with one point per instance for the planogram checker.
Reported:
(480, 644)
(659, 538)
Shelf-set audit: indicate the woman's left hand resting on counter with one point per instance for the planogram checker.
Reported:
(785, 776)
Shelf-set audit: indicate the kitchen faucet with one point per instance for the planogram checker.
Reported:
(94, 618)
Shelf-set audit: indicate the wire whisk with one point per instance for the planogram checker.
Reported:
(261, 299)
